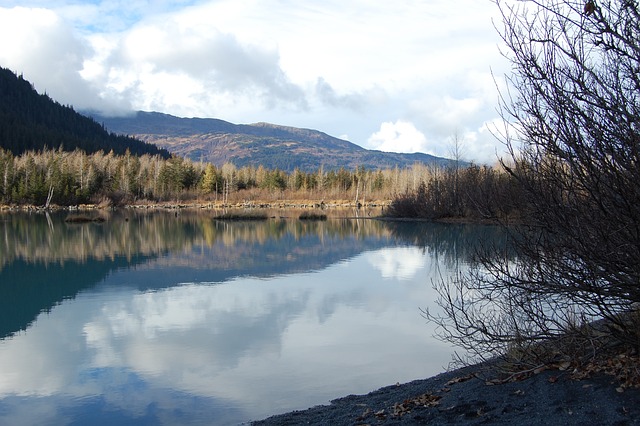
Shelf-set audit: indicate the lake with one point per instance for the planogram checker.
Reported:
(167, 318)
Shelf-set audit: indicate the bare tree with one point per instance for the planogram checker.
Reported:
(574, 135)
(456, 151)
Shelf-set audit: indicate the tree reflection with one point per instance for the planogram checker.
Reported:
(44, 260)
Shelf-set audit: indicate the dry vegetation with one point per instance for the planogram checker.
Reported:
(61, 178)
(571, 292)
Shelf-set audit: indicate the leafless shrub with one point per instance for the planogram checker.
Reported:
(574, 136)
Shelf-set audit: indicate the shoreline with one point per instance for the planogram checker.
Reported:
(465, 396)
(206, 205)
(253, 205)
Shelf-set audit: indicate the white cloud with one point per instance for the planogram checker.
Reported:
(401, 136)
(44, 48)
(49, 54)
(402, 263)
(482, 145)
(339, 67)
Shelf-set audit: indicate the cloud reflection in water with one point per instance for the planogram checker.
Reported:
(224, 352)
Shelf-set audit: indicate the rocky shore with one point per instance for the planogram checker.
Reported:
(279, 204)
(467, 396)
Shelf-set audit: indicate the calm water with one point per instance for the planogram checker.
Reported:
(158, 319)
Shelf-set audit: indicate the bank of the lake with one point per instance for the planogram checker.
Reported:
(464, 397)
(377, 205)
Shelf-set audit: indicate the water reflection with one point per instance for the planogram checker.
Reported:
(36, 250)
(189, 320)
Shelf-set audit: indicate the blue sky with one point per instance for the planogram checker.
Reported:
(404, 76)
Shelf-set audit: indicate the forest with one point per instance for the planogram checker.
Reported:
(57, 177)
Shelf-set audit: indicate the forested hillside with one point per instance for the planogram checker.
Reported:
(32, 121)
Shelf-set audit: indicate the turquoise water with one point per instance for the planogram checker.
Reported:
(153, 318)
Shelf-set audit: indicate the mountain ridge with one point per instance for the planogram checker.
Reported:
(33, 121)
(260, 144)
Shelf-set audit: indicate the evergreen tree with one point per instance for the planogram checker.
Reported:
(30, 121)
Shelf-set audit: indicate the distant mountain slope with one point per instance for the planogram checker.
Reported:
(269, 145)
(30, 121)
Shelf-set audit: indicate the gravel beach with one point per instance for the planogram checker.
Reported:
(552, 397)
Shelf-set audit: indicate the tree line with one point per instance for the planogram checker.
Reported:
(71, 178)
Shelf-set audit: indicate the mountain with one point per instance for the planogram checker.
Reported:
(31, 121)
(269, 145)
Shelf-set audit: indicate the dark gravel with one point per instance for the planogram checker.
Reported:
(461, 397)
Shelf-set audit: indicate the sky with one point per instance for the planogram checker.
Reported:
(398, 76)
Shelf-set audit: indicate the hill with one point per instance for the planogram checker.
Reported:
(272, 146)
(32, 121)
